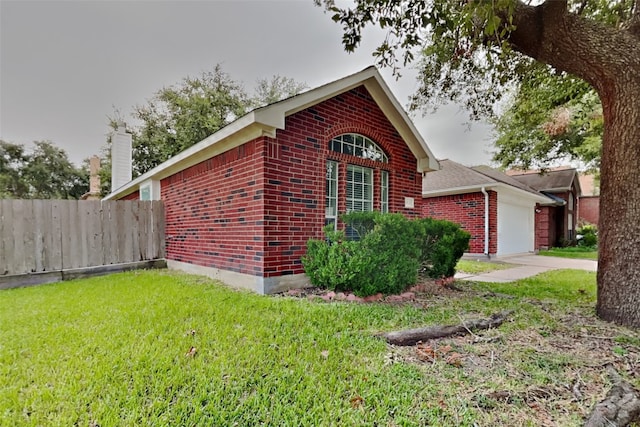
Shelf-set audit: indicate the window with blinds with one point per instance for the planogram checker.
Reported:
(360, 182)
(359, 189)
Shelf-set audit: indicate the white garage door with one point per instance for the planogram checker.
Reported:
(516, 232)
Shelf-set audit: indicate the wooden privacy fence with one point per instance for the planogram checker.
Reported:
(41, 236)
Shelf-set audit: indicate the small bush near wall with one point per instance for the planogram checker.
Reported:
(442, 245)
(587, 235)
(333, 263)
(388, 256)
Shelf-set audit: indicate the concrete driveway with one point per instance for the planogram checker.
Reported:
(527, 266)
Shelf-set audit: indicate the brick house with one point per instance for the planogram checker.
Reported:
(241, 204)
(589, 201)
(589, 209)
(555, 223)
(496, 209)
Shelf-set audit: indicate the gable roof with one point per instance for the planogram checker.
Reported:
(552, 181)
(266, 120)
(589, 185)
(454, 178)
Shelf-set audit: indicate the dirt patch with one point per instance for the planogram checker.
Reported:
(546, 378)
(427, 290)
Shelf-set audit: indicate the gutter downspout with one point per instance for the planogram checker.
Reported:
(486, 221)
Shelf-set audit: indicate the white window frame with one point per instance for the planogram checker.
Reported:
(331, 196)
(384, 191)
(571, 201)
(358, 145)
(150, 190)
(360, 180)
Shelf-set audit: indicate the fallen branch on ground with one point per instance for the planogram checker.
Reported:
(413, 336)
(620, 407)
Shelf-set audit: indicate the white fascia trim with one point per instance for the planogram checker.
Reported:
(265, 121)
(478, 189)
(274, 115)
(401, 121)
(232, 135)
(537, 198)
(458, 190)
(557, 189)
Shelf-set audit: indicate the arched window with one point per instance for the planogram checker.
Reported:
(360, 188)
(359, 146)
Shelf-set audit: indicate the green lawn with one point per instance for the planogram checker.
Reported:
(479, 267)
(571, 252)
(113, 351)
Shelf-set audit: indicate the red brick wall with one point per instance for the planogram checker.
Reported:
(468, 211)
(296, 173)
(133, 196)
(252, 209)
(545, 227)
(214, 211)
(589, 209)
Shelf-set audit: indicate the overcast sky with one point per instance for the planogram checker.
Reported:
(65, 65)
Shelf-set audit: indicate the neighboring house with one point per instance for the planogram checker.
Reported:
(242, 204)
(589, 201)
(496, 209)
(555, 224)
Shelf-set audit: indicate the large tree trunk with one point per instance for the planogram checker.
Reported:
(609, 59)
(619, 227)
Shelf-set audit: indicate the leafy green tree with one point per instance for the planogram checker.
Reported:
(12, 159)
(551, 117)
(471, 51)
(179, 116)
(46, 173)
(50, 174)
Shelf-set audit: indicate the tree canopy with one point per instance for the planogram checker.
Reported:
(550, 118)
(473, 51)
(275, 89)
(44, 173)
(467, 54)
(179, 116)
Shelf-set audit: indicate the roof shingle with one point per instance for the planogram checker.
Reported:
(550, 181)
(454, 175)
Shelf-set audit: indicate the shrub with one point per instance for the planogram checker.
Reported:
(360, 223)
(442, 244)
(391, 256)
(332, 263)
(388, 255)
(384, 259)
(587, 235)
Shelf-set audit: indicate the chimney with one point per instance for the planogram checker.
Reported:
(94, 175)
(120, 157)
(94, 180)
